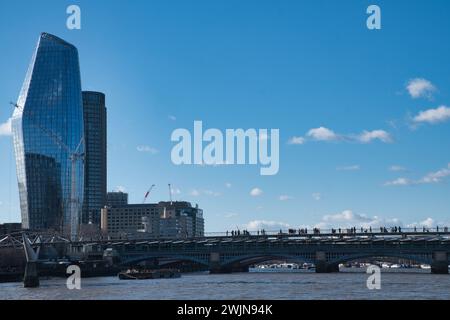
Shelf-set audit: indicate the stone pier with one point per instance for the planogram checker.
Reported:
(31, 277)
(440, 263)
(322, 266)
(216, 268)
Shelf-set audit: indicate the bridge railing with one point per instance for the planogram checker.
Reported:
(333, 231)
(302, 232)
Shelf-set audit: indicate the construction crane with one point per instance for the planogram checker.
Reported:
(74, 156)
(170, 194)
(148, 193)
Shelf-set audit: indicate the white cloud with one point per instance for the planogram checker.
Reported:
(396, 168)
(349, 168)
(5, 128)
(144, 148)
(435, 177)
(230, 215)
(433, 116)
(322, 134)
(420, 88)
(432, 177)
(256, 225)
(349, 219)
(296, 140)
(284, 197)
(211, 193)
(120, 189)
(316, 196)
(228, 185)
(325, 134)
(173, 118)
(369, 136)
(175, 191)
(427, 223)
(399, 182)
(392, 124)
(345, 219)
(255, 192)
(195, 193)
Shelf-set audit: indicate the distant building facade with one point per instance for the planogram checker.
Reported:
(95, 173)
(131, 220)
(160, 220)
(6, 228)
(190, 219)
(47, 127)
(116, 199)
(180, 226)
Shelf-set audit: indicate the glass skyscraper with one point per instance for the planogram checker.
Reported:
(48, 133)
(95, 165)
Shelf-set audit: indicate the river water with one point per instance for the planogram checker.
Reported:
(351, 284)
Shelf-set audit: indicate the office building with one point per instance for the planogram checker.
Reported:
(172, 220)
(191, 221)
(131, 220)
(6, 228)
(95, 172)
(116, 199)
(176, 227)
(47, 127)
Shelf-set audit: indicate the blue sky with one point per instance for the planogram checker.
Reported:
(293, 65)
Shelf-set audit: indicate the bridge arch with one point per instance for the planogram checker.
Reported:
(178, 258)
(248, 260)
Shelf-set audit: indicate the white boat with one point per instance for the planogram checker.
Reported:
(425, 266)
(395, 266)
(385, 266)
(308, 266)
(289, 266)
(283, 267)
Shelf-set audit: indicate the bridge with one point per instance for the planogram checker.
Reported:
(225, 254)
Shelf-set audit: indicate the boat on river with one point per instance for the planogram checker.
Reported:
(135, 274)
(282, 267)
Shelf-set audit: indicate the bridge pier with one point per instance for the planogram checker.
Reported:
(31, 278)
(440, 263)
(220, 270)
(322, 266)
(216, 269)
(240, 269)
(215, 266)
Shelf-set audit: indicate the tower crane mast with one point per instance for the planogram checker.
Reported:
(148, 193)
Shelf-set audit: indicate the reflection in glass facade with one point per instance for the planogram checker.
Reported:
(94, 111)
(48, 130)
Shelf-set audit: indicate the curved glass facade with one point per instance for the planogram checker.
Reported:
(48, 138)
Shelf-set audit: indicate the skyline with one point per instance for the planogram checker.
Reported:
(362, 114)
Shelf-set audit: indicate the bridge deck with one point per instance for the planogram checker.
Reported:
(322, 238)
